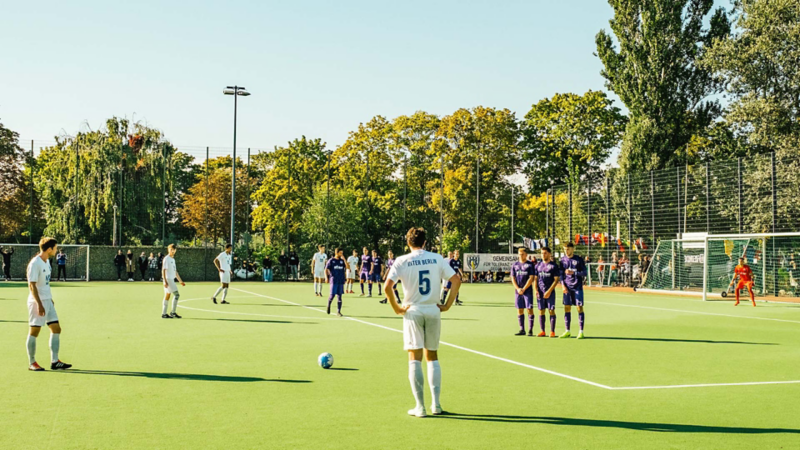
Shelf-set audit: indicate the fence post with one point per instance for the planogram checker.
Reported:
(653, 209)
(205, 222)
(553, 204)
(630, 212)
(405, 192)
(708, 198)
(511, 242)
(547, 213)
(774, 223)
(477, 199)
(608, 215)
(739, 176)
(678, 178)
(247, 198)
(569, 203)
(30, 215)
(328, 202)
(441, 203)
(589, 218)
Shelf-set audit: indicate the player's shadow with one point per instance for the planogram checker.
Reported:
(182, 376)
(693, 341)
(343, 368)
(400, 317)
(252, 320)
(490, 305)
(12, 321)
(597, 423)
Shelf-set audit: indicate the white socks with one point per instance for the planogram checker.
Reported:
(55, 346)
(164, 307)
(415, 377)
(435, 381)
(224, 293)
(219, 289)
(31, 345)
(175, 298)
(316, 289)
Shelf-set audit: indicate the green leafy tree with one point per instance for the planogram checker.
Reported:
(13, 188)
(569, 134)
(653, 69)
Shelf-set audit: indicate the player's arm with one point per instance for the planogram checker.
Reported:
(164, 276)
(216, 263)
(35, 293)
(527, 285)
(514, 279)
(178, 276)
(388, 290)
(455, 285)
(552, 286)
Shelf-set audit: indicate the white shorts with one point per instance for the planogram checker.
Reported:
(319, 273)
(50, 316)
(172, 287)
(351, 275)
(225, 277)
(422, 328)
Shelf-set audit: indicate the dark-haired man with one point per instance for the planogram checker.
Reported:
(421, 273)
(573, 269)
(336, 271)
(41, 308)
(223, 264)
(547, 276)
(522, 276)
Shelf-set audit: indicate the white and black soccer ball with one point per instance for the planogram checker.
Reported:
(325, 360)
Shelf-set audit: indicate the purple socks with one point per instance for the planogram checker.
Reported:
(541, 322)
(370, 289)
(362, 288)
(580, 320)
(552, 323)
(339, 302)
(530, 322)
(567, 319)
(521, 319)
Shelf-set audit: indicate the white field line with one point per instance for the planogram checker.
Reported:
(243, 313)
(540, 369)
(697, 312)
(528, 366)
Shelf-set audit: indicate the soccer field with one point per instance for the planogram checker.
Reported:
(654, 372)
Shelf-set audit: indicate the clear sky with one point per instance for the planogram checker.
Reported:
(315, 68)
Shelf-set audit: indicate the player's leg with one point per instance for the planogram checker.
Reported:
(520, 317)
(567, 314)
(413, 335)
(219, 289)
(30, 343)
(750, 291)
(531, 318)
(541, 305)
(551, 309)
(581, 316)
(165, 304)
(175, 296)
(736, 290)
(362, 278)
(55, 345)
(339, 292)
(433, 327)
(225, 294)
(330, 297)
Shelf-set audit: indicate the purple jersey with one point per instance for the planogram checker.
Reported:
(576, 263)
(366, 263)
(337, 268)
(455, 265)
(389, 263)
(521, 272)
(377, 262)
(547, 273)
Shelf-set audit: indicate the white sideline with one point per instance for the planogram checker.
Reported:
(528, 366)
(697, 312)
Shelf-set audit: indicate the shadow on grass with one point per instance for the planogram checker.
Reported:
(696, 341)
(400, 317)
(490, 305)
(342, 368)
(251, 320)
(181, 376)
(13, 321)
(638, 426)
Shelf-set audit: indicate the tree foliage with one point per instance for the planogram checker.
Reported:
(13, 187)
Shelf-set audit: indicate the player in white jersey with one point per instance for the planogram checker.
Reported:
(41, 309)
(443, 294)
(169, 273)
(352, 272)
(223, 265)
(421, 273)
(318, 262)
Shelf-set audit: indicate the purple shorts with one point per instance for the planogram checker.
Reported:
(573, 297)
(524, 301)
(364, 276)
(337, 289)
(546, 303)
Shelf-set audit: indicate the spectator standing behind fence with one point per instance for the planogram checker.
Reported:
(160, 265)
(612, 280)
(119, 262)
(61, 262)
(283, 260)
(7, 252)
(130, 265)
(152, 267)
(601, 270)
(143, 265)
(294, 263)
(266, 268)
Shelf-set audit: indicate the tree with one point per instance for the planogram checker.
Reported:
(13, 191)
(569, 134)
(655, 73)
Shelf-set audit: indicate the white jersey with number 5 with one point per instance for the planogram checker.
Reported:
(421, 273)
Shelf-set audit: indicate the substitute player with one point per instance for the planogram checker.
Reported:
(573, 269)
(547, 276)
(376, 274)
(389, 264)
(366, 270)
(336, 270)
(169, 273)
(421, 273)
(744, 274)
(522, 277)
(318, 269)
(223, 265)
(41, 308)
(352, 270)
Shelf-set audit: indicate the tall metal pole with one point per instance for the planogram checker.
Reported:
(511, 242)
(630, 212)
(205, 240)
(30, 215)
(441, 203)
(163, 195)
(708, 198)
(739, 189)
(547, 214)
(477, 199)
(247, 198)
(678, 178)
(653, 209)
(589, 218)
(569, 202)
(405, 192)
(328, 201)
(233, 166)
(608, 216)
(774, 257)
(553, 204)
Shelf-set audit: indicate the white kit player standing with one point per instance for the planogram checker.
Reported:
(352, 272)
(318, 262)
(223, 264)
(169, 273)
(421, 273)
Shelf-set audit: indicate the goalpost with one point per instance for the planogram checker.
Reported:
(77, 267)
(703, 265)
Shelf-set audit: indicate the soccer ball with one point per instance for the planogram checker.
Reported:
(325, 360)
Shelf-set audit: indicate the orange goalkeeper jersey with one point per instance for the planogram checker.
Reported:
(744, 273)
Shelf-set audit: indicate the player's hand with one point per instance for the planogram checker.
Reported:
(519, 291)
(166, 285)
(221, 271)
(569, 271)
(183, 284)
(402, 310)
(442, 308)
(41, 309)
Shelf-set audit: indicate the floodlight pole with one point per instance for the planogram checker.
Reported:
(236, 91)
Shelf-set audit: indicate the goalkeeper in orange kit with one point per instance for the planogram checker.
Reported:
(744, 274)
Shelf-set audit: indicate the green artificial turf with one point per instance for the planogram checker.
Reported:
(245, 375)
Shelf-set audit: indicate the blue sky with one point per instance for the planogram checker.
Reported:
(315, 68)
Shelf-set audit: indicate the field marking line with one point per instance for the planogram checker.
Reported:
(680, 386)
(487, 355)
(244, 313)
(697, 312)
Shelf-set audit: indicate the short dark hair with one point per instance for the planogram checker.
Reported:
(547, 248)
(338, 249)
(523, 249)
(416, 237)
(228, 246)
(570, 245)
(172, 246)
(46, 243)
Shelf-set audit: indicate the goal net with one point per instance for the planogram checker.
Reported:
(704, 266)
(76, 267)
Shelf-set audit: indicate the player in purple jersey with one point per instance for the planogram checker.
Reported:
(336, 271)
(376, 274)
(445, 285)
(389, 263)
(547, 276)
(522, 276)
(573, 268)
(366, 268)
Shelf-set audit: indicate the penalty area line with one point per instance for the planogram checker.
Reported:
(469, 350)
(696, 312)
